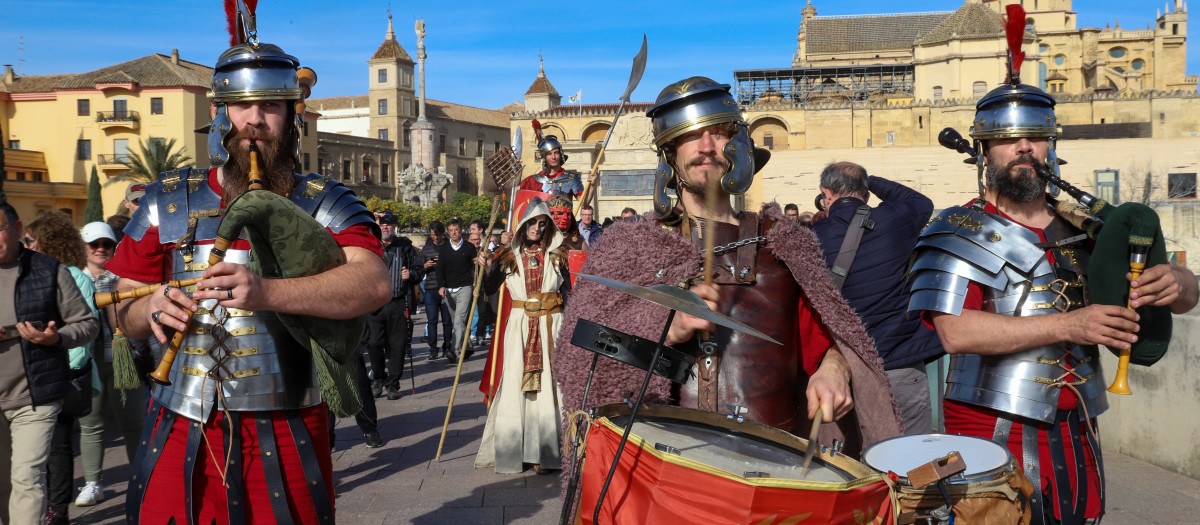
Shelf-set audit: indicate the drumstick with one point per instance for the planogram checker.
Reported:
(812, 443)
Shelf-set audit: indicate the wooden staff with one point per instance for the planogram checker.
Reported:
(505, 167)
(479, 271)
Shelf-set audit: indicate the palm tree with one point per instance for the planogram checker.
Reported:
(156, 157)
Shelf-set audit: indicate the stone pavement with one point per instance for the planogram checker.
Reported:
(401, 483)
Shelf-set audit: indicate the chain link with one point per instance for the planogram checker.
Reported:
(718, 250)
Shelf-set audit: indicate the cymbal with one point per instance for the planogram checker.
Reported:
(680, 300)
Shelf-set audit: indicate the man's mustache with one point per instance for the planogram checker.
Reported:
(1024, 159)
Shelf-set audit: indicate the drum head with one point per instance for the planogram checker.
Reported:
(737, 454)
(984, 458)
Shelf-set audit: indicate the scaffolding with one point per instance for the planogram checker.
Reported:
(802, 86)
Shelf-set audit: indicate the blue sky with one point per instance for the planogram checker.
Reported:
(484, 53)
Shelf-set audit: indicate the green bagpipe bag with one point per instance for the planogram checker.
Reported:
(1128, 227)
(287, 242)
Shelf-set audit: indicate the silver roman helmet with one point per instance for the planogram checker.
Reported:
(1015, 110)
(550, 143)
(686, 106)
(251, 70)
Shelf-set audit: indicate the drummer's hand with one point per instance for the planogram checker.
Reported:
(247, 287)
(829, 388)
(505, 238)
(684, 325)
(481, 259)
(176, 308)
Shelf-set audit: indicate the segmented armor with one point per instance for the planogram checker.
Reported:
(1009, 262)
(240, 352)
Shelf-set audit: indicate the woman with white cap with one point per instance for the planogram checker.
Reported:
(127, 406)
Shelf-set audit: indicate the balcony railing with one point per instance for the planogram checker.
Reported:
(117, 116)
(115, 159)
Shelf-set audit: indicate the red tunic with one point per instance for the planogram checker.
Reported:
(148, 260)
(972, 420)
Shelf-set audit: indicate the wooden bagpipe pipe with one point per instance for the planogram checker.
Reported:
(285, 242)
(1127, 239)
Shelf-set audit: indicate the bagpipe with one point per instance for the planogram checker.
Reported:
(1127, 239)
(285, 242)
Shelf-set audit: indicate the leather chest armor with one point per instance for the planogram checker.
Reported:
(762, 379)
(233, 359)
(1009, 263)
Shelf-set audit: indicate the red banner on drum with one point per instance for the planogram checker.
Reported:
(657, 487)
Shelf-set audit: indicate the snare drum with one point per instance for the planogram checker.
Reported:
(687, 466)
(990, 490)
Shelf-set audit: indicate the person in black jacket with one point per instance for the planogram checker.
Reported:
(435, 307)
(456, 274)
(42, 314)
(875, 285)
(387, 328)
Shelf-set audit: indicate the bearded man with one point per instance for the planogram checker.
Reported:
(769, 275)
(240, 435)
(1002, 280)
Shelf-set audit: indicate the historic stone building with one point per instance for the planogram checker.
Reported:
(853, 93)
(368, 141)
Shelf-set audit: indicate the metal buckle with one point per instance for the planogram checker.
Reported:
(537, 303)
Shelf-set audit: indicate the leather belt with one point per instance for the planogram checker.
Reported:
(540, 304)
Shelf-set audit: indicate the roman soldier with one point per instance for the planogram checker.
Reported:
(239, 433)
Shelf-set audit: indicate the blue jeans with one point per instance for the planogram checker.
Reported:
(434, 305)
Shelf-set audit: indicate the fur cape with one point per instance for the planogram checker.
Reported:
(645, 253)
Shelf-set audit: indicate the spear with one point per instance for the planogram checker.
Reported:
(635, 76)
(505, 167)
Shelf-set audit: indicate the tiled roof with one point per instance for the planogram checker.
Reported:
(436, 109)
(843, 34)
(391, 49)
(332, 103)
(32, 84)
(541, 85)
(149, 71)
(970, 20)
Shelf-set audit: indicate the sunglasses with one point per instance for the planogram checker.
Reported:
(27, 241)
(105, 244)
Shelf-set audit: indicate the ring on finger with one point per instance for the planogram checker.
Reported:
(229, 292)
(154, 316)
(167, 290)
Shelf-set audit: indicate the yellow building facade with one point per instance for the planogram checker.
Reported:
(61, 126)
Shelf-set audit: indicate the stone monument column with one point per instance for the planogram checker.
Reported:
(423, 148)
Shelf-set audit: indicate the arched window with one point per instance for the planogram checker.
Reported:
(979, 89)
(1138, 64)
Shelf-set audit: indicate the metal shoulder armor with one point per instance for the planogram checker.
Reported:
(331, 203)
(173, 195)
(964, 244)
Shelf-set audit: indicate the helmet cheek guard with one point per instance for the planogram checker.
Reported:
(739, 152)
(218, 131)
(664, 179)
